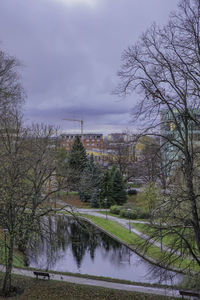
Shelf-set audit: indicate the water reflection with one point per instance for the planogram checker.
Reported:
(64, 245)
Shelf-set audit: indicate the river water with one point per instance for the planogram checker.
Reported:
(67, 246)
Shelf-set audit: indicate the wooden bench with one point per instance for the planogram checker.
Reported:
(189, 293)
(43, 274)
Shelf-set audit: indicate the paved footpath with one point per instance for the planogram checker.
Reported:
(125, 223)
(100, 283)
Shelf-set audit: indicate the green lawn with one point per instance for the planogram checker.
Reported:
(118, 216)
(167, 238)
(115, 229)
(135, 242)
(51, 290)
(18, 257)
(145, 228)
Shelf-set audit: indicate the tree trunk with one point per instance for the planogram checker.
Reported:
(9, 261)
(192, 199)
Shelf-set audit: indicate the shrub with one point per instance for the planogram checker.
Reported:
(143, 214)
(130, 205)
(135, 213)
(148, 197)
(115, 209)
(132, 192)
(125, 213)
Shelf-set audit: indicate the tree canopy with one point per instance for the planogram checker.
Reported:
(77, 161)
(90, 181)
(113, 188)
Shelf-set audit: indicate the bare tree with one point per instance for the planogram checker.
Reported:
(28, 165)
(164, 68)
(27, 182)
(11, 91)
(148, 165)
(121, 152)
(11, 98)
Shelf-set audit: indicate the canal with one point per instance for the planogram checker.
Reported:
(67, 246)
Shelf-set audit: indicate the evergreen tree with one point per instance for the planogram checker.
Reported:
(113, 188)
(106, 189)
(78, 156)
(76, 163)
(112, 171)
(119, 195)
(94, 201)
(90, 180)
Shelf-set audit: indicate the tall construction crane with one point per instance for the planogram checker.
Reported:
(75, 120)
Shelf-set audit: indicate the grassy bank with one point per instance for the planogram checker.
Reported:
(51, 290)
(123, 234)
(119, 217)
(146, 229)
(167, 238)
(18, 257)
(152, 253)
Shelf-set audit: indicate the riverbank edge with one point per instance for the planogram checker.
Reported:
(107, 279)
(146, 256)
(101, 278)
(131, 247)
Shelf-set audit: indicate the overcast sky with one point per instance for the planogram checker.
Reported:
(71, 51)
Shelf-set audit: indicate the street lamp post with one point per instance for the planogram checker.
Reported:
(161, 246)
(100, 198)
(129, 224)
(106, 201)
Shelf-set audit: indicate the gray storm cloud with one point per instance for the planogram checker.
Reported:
(71, 52)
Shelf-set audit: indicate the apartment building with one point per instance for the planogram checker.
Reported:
(91, 141)
(173, 131)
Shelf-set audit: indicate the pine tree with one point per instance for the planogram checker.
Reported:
(119, 195)
(113, 188)
(94, 201)
(76, 163)
(78, 156)
(106, 189)
(90, 180)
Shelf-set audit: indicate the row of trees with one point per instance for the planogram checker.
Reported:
(113, 188)
(84, 175)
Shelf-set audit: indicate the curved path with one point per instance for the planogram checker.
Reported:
(100, 283)
(125, 223)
